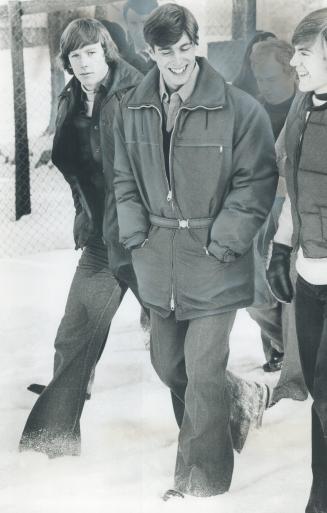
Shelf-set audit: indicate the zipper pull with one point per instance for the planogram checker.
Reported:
(172, 302)
(169, 195)
(220, 149)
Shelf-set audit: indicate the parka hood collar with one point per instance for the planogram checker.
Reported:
(209, 91)
(122, 75)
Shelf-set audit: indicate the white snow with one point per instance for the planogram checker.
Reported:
(128, 429)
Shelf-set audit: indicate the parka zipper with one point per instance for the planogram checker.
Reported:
(172, 297)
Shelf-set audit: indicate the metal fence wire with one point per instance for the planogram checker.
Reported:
(49, 224)
(45, 194)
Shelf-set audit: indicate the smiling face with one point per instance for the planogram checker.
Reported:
(310, 63)
(175, 62)
(89, 64)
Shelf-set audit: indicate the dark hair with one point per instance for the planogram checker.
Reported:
(311, 27)
(245, 79)
(82, 32)
(141, 7)
(166, 25)
(281, 50)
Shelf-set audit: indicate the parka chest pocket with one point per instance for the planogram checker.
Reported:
(203, 139)
(203, 157)
(203, 127)
(142, 126)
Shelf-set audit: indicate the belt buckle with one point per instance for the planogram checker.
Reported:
(183, 223)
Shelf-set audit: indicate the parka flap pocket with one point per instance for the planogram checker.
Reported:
(199, 142)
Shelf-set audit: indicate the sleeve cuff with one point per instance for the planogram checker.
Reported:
(136, 240)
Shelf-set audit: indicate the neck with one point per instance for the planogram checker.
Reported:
(89, 89)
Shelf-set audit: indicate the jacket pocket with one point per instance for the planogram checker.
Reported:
(200, 158)
(147, 242)
(83, 229)
(152, 266)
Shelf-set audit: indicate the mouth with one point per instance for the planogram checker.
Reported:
(178, 71)
(302, 74)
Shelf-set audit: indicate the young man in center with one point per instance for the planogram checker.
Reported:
(195, 179)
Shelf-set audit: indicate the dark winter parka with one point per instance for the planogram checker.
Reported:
(65, 155)
(200, 220)
(306, 175)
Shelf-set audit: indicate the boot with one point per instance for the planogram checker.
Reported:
(248, 403)
(172, 494)
(275, 362)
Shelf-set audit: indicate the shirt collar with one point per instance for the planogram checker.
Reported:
(184, 92)
(316, 103)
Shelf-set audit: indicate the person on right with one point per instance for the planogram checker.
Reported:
(303, 229)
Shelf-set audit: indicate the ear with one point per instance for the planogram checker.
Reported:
(151, 53)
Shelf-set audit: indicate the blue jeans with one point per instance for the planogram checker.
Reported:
(190, 357)
(53, 426)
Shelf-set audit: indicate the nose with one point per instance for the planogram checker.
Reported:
(178, 58)
(83, 60)
(295, 60)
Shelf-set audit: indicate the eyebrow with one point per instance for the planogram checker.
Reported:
(161, 48)
(303, 48)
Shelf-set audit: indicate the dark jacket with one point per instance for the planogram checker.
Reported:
(222, 172)
(65, 153)
(306, 175)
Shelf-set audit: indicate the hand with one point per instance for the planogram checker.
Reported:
(278, 273)
(83, 228)
(139, 246)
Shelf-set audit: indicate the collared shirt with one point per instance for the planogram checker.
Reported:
(172, 103)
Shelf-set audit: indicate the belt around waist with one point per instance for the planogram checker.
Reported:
(165, 222)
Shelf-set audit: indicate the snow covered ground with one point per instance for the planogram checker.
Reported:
(128, 430)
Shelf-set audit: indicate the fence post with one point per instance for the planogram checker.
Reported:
(243, 19)
(22, 185)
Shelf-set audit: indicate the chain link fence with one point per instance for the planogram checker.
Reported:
(49, 224)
